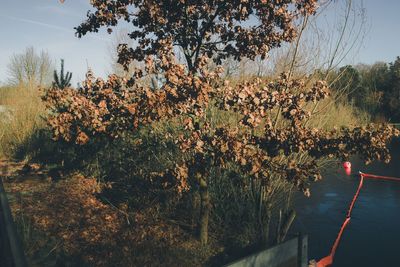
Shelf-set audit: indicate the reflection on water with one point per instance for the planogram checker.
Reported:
(371, 238)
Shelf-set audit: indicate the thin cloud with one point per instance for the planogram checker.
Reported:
(50, 26)
(57, 9)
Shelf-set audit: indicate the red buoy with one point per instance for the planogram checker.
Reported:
(347, 167)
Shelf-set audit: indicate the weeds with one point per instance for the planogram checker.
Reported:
(20, 121)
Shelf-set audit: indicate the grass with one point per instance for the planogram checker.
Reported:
(21, 120)
(330, 114)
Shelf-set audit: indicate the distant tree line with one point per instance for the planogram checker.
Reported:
(31, 69)
(372, 88)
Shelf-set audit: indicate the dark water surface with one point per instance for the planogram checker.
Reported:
(373, 236)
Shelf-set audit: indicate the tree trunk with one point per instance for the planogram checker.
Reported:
(204, 212)
(196, 207)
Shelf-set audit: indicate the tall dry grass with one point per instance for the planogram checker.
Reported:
(330, 114)
(20, 118)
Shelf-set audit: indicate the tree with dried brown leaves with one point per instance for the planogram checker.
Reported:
(216, 29)
(210, 30)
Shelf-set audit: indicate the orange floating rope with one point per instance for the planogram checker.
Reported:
(355, 197)
(366, 175)
(328, 260)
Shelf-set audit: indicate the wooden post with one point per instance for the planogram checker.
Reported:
(302, 248)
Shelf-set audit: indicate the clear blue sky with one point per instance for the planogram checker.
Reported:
(48, 25)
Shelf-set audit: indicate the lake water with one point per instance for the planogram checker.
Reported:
(371, 238)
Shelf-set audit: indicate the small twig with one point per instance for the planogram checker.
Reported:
(121, 211)
(55, 247)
